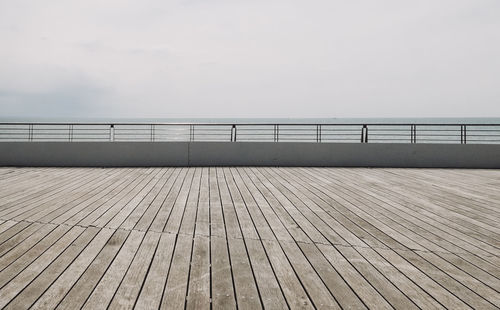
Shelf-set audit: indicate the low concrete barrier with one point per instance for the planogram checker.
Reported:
(146, 154)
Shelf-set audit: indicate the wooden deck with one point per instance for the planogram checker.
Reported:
(249, 238)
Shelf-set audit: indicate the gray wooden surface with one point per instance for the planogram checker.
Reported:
(249, 238)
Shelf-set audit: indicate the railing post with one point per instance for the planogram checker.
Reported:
(465, 134)
(318, 133)
(112, 132)
(413, 134)
(364, 134)
(30, 132)
(70, 132)
(233, 137)
(277, 133)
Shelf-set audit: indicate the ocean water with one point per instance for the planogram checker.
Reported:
(378, 130)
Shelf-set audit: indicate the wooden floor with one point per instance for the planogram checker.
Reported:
(249, 238)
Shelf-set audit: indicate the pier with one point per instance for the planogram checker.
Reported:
(249, 238)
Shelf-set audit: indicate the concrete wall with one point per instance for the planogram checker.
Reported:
(117, 154)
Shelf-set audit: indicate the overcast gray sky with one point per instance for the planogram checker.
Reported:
(231, 58)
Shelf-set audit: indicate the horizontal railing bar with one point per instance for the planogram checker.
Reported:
(245, 124)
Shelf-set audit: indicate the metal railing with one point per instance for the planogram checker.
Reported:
(241, 132)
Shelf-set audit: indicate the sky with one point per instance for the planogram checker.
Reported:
(263, 59)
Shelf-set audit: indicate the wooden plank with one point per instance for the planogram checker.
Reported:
(25, 206)
(418, 296)
(122, 209)
(56, 292)
(222, 280)
(431, 287)
(11, 268)
(231, 222)
(163, 214)
(81, 290)
(472, 266)
(369, 295)
(105, 212)
(30, 294)
(256, 215)
(318, 293)
(151, 293)
(71, 196)
(269, 287)
(17, 251)
(361, 229)
(137, 213)
(13, 230)
(199, 277)
(202, 227)
(174, 296)
(105, 290)
(190, 213)
(469, 281)
(378, 227)
(291, 287)
(245, 220)
(417, 224)
(286, 220)
(312, 225)
(428, 207)
(75, 213)
(18, 238)
(6, 225)
(247, 295)
(78, 214)
(111, 180)
(149, 215)
(17, 284)
(37, 191)
(175, 218)
(385, 288)
(456, 288)
(268, 217)
(129, 289)
(332, 229)
(217, 225)
(343, 294)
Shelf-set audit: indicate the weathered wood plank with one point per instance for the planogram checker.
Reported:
(129, 289)
(81, 290)
(30, 294)
(151, 293)
(223, 296)
(198, 296)
(105, 290)
(17, 284)
(174, 296)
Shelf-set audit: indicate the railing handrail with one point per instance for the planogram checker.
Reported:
(249, 124)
